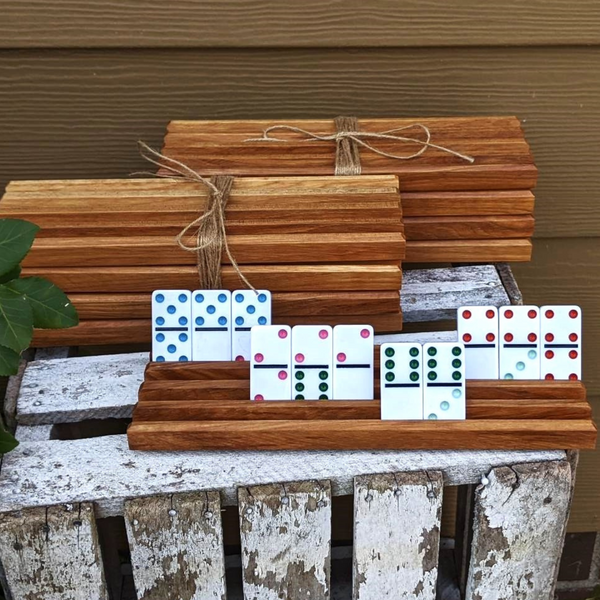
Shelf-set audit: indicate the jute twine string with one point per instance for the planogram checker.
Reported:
(208, 230)
(348, 138)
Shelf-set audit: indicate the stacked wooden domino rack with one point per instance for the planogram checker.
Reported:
(454, 210)
(329, 249)
(205, 406)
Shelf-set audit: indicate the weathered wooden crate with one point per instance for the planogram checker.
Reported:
(60, 498)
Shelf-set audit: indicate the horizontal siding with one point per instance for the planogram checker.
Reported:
(77, 113)
(567, 271)
(284, 23)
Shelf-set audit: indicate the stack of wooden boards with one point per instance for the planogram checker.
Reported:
(454, 210)
(329, 248)
(205, 406)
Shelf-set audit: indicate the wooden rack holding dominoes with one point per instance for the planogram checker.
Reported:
(205, 406)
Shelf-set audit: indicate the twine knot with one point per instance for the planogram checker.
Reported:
(348, 138)
(208, 230)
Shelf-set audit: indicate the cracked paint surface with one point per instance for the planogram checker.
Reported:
(518, 528)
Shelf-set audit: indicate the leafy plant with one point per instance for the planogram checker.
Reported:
(25, 303)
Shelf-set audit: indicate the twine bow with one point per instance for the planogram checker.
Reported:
(209, 228)
(348, 138)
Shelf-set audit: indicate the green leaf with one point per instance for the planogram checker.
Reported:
(12, 274)
(50, 305)
(16, 320)
(7, 441)
(16, 237)
(9, 362)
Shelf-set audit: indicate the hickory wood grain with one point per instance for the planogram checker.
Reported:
(138, 306)
(247, 249)
(90, 333)
(216, 377)
(122, 25)
(363, 435)
(234, 407)
(277, 278)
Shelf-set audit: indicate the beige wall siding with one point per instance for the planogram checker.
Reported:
(81, 82)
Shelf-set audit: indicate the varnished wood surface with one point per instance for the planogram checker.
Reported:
(498, 163)
(138, 306)
(128, 24)
(277, 278)
(522, 434)
(137, 331)
(227, 408)
(116, 96)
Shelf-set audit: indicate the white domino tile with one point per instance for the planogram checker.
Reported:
(478, 331)
(171, 326)
(561, 342)
(211, 322)
(444, 394)
(270, 363)
(401, 381)
(353, 362)
(312, 355)
(519, 334)
(248, 309)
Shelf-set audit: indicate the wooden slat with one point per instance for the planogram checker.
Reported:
(471, 23)
(397, 535)
(90, 333)
(138, 306)
(104, 471)
(285, 532)
(176, 544)
(247, 249)
(468, 228)
(468, 251)
(496, 202)
(520, 516)
(363, 435)
(277, 278)
(53, 553)
(232, 404)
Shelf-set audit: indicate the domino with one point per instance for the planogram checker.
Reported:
(171, 327)
(312, 353)
(211, 322)
(519, 334)
(270, 372)
(478, 331)
(401, 381)
(353, 362)
(444, 394)
(248, 309)
(560, 333)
